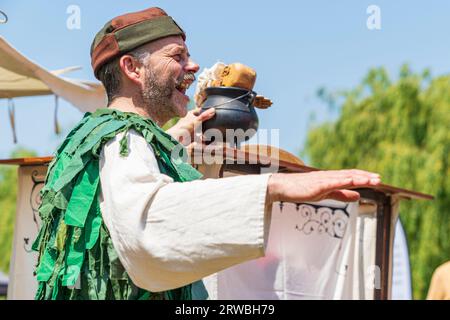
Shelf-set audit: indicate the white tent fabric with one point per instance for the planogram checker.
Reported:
(20, 77)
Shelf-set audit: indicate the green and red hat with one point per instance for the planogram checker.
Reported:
(129, 31)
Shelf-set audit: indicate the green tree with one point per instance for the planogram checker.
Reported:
(8, 196)
(401, 130)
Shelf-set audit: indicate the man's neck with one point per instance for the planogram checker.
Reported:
(126, 104)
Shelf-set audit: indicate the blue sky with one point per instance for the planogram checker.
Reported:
(296, 47)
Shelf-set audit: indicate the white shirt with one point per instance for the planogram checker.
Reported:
(169, 234)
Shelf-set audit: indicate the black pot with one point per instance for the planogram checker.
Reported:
(234, 111)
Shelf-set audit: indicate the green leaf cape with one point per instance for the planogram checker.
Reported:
(77, 259)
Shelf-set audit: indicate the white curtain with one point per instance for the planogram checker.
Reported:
(323, 250)
(21, 77)
(22, 282)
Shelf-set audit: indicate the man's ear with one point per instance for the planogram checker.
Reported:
(132, 69)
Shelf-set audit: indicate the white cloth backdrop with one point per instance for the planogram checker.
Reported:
(401, 277)
(22, 283)
(310, 255)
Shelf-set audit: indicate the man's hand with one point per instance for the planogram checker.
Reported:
(319, 185)
(184, 129)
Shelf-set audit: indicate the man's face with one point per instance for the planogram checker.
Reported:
(168, 73)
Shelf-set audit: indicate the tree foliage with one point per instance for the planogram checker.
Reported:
(399, 129)
(8, 198)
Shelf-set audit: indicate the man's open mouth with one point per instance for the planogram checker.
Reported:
(188, 79)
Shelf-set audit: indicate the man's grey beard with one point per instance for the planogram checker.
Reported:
(157, 96)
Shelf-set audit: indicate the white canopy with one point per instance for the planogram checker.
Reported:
(20, 77)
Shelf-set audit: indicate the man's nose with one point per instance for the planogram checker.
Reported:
(192, 66)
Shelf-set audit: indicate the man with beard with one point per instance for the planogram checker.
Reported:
(123, 217)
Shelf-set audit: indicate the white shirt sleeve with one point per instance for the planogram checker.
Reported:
(169, 234)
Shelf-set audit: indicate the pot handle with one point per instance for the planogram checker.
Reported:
(252, 95)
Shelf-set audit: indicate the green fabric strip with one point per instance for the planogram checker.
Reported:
(75, 257)
(75, 130)
(99, 133)
(93, 224)
(83, 132)
(79, 160)
(84, 128)
(66, 141)
(67, 172)
(46, 265)
(83, 195)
